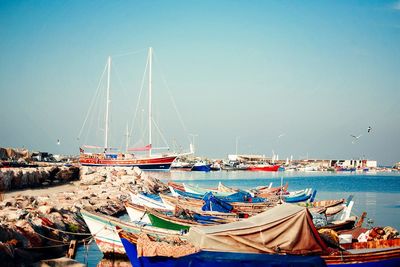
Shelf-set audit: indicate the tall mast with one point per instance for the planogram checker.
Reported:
(150, 112)
(127, 138)
(107, 105)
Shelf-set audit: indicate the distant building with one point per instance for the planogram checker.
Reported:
(397, 166)
(42, 156)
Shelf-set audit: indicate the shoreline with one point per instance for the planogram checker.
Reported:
(40, 191)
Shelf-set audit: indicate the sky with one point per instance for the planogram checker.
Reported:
(293, 78)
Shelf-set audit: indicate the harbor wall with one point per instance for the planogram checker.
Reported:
(41, 223)
(20, 178)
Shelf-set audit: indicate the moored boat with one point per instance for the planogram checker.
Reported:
(283, 236)
(201, 167)
(146, 161)
(263, 167)
(202, 191)
(103, 230)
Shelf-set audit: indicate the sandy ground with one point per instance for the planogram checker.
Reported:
(41, 191)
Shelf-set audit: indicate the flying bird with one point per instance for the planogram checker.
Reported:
(355, 138)
(281, 135)
(369, 129)
(58, 142)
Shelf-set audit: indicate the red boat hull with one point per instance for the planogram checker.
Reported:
(272, 168)
(150, 163)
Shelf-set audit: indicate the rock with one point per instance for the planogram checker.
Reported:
(45, 209)
(92, 179)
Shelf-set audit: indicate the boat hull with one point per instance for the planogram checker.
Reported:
(161, 223)
(220, 259)
(272, 168)
(202, 168)
(103, 229)
(229, 259)
(157, 163)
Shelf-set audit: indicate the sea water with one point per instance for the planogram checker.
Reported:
(377, 194)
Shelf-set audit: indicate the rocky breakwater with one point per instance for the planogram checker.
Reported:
(19, 178)
(41, 226)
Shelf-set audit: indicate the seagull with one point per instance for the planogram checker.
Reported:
(281, 135)
(58, 142)
(355, 138)
(369, 129)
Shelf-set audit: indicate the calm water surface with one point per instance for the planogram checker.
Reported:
(377, 194)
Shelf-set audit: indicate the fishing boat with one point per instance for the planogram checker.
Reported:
(202, 191)
(303, 196)
(224, 188)
(149, 201)
(240, 196)
(238, 207)
(103, 230)
(201, 167)
(139, 213)
(263, 167)
(184, 221)
(147, 161)
(282, 236)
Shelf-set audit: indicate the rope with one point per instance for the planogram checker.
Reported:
(139, 97)
(92, 102)
(56, 246)
(162, 136)
(51, 239)
(171, 97)
(66, 232)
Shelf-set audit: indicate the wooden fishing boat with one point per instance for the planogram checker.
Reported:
(181, 201)
(341, 224)
(389, 257)
(166, 221)
(103, 230)
(228, 245)
(144, 200)
(301, 197)
(239, 207)
(224, 188)
(202, 191)
(268, 192)
(240, 196)
(331, 211)
(205, 258)
(176, 185)
(328, 203)
(138, 213)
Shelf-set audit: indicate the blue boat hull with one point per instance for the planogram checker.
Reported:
(221, 259)
(202, 168)
(230, 259)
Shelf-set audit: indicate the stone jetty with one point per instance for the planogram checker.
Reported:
(19, 178)
(41, 225)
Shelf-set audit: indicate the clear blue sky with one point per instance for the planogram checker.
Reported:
(252, 70)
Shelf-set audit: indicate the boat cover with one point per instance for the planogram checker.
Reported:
(217, 259)
(211, 203)
(285, 228)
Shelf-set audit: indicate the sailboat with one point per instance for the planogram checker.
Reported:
(108, 158)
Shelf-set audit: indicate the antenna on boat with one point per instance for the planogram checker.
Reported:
(150, 115)
(107, 105)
